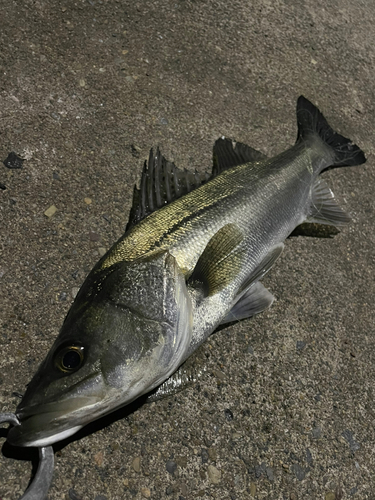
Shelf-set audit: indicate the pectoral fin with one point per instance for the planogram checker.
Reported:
(221, 260)
(264, 266)
(255, 300)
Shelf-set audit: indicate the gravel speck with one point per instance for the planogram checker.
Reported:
(300, 344)
(145, 492)
(309, 458)
(214, 474)
(330, 496)
(50, 211)
(260, 469)
(253, 489)
(13, 161)
(94, 236)
(228, 414)
(204, 455)
(73, 495)
(353, 444)
(171, 466)
(299, 471)
(270, 474)
(316, 432)
(136, 464)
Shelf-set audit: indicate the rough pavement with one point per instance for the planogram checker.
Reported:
(285, 407)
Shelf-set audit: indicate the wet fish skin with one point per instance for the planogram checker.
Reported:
(178, 273)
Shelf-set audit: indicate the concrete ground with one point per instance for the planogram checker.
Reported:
(285, 408)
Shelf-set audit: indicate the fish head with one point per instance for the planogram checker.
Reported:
(127, 331)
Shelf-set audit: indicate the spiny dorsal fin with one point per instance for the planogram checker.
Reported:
(226, 156)
(220, 261)
(161, 183)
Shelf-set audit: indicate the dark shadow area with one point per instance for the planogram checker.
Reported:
(314, 230)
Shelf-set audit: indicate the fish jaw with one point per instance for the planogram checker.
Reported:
(56, 419)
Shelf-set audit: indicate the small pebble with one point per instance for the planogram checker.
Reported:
(300, 344)
(205, 456)
(309, 458)
(270, 474)
(94, 236)
(101, 251)
(299, 472)
(253, 489)
(330, 496)
(50, 211)
(88, 201)
(73, 495)
(228, 414)
(13, 161)
(145, 492)
(169, 490)
(214, 474)
(98, 458)
(75, 291)
(171, 466)
(136, 464)
(316, 432)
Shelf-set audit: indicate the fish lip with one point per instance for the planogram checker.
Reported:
(42, 421)
(39, 424)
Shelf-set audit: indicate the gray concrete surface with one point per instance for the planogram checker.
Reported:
(285, 409)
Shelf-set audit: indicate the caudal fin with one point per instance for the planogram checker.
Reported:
(311, 121)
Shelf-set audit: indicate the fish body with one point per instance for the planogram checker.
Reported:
(191, 259)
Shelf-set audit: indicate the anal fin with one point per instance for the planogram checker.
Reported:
(324, 209)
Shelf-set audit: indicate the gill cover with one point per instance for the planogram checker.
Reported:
(127, 331)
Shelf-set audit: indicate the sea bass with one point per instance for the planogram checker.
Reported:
(191, 259)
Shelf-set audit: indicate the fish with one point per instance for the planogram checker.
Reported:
(192, 258)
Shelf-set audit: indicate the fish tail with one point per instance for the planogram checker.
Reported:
(311, 122)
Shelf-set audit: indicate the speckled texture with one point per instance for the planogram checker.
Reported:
(285, 407)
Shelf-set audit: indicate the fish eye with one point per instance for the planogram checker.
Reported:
(69, 358)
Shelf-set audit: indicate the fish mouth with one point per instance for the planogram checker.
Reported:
(43, 425)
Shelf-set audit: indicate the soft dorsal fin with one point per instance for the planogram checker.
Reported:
(161, 183)
(226, 156)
